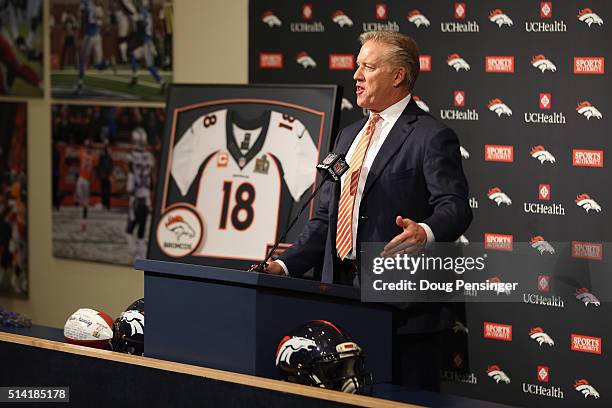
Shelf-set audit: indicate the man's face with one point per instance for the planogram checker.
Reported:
(374, 77)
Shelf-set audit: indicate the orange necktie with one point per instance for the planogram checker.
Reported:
(344, 228)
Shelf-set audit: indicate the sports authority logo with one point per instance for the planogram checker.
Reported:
(420, 103)
(496, 373)
(500, 18)
(541, 245)
(587, 158)
(546, 26)
(135, 320)
(586, 297)
(342, 62)
(497, 331)
(543, 283)
(464, 152)
(585, 201)
(381, 12)
(462, 26)
(417, 18)
(587, 16)
(540, 153)
(499, 64)
(586, 344)
(455, 61)
(589, 65)
(425, 63)
(270, 19)
(346, 104)
(587, 250)
(499, 153)
(290, 345)
(498, 242)
(459, 101)
(588, 111)
(544, 192)
(307, 26)
(179, 232)
(268, 60)
(545, 101)
(459, 98)
(498, 106)
(541, 337)
(339, 17)
(305, 60)
(586, 389)
(543, 374)
(498, 196)
(543, 64)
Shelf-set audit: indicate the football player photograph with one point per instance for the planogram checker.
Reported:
(405, 187)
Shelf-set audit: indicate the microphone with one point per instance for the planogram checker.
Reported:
(332, 168)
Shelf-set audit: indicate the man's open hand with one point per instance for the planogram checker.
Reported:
(410, 241)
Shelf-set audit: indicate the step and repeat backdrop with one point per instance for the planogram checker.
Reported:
(524, 85)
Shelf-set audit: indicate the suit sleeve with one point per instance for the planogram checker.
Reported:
(447, 186)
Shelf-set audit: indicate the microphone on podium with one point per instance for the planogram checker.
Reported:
(332, 168)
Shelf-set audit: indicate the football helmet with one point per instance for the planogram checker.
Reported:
(139, 137)
(128, 330)
(321, 354)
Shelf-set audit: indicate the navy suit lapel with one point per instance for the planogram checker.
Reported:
(395, 139)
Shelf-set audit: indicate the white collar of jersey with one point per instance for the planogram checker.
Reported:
(393, 112)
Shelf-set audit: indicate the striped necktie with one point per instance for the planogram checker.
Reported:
(344, 228)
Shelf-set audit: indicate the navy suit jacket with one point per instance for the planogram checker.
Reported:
(417, 173)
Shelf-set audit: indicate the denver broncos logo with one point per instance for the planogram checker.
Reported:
(270, 19)
(305, 60)
(538, 152)
(588, 111)
(135, 319)
(179, 227)
(585, 201)
(290, 345)
(587, 297)
(587, 16)
(586, 389)
(417, 18)
(541, 245)
(497, 374)
(497, 195)
(341, 19)
(346, 104)
(541, 337)
(543, 64)
(455, 61)
(498, 17)
(496, 105)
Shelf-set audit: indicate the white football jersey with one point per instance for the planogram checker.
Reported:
(239, 191)
(141, 164)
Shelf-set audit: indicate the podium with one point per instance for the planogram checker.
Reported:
(234, 320)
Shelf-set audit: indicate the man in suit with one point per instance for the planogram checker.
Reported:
(405, 186)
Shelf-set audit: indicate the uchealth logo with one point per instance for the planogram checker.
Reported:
(500, 18)
(417, 18)
(460, 11)
(460, 25)
(179, 232)
(587, 250)
(541, 337)
(542, 63)
(307, 25)
(543, 374)
(498, 242)
(307, 11)
(544, 283)
(546, 26)
(586, 389)
(455, 61)
(499, 64)
(420, 103)
(589, 65)
(542, 388)
(498, 196)
(499, 107)
(496, 373)
(497, 331)
(270, 19)
(342, 62)
(541, 154)
(587, 158)
(587, 203)
(586, 344)
(269, 60)
(588, 16)
(425, 63)
(588, 111)
(458, 361)
(499, 153)
(544, 192)
(381, 12)
(305, 60)
(339, 17)
(541, 245)
(459, 98)
(585, 296)
(545, 101)
(459, 101)
(543, 288)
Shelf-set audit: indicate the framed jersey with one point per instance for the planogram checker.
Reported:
(238, 162)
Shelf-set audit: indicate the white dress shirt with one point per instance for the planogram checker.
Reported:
(389, 116)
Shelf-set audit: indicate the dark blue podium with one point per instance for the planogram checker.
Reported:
(233, 320)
